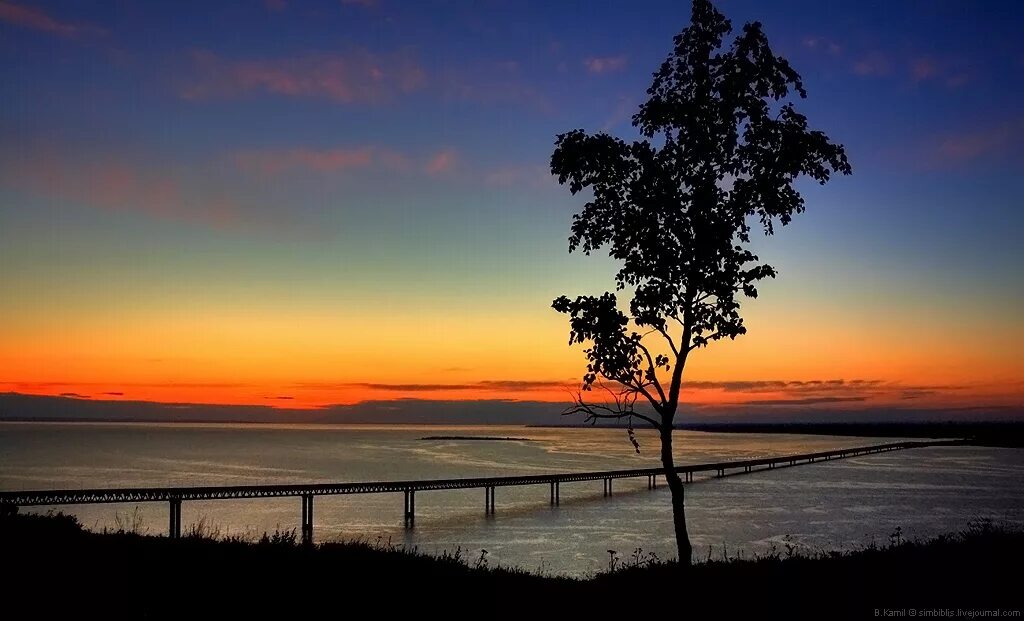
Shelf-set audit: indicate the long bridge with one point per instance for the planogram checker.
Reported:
(174, 496)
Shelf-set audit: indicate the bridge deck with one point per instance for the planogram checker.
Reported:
(177, 494)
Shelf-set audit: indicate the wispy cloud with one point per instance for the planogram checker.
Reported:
(981, 143)
(324, 160)
(915, 69)
(948, 73)
(37, 19)
(974, 144)
(823, 44)
(56, 385)
(801, 393)
(916, 393)
(275, 5)
(783, 385)
(358, 76)
(491, 83)
(605, 64)
(531, 176)
(442, 162)
(620, 114)
(873, 64)
(121, 184)
(804, 401)
(341, 159)
(495, 385)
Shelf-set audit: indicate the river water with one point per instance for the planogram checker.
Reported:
(838, 504)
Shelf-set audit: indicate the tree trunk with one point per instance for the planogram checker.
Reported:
(675, 484)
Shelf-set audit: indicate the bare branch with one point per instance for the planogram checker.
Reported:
(628, 382)
(622, 408)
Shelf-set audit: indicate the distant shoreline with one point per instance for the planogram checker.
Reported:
(480, 438)
(1009, 434)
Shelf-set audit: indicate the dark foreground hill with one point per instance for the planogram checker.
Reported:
(54, 569)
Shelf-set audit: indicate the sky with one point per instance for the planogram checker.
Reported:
(298, 205)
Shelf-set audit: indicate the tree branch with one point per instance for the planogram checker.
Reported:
(668, 337)
(594, 412)
(653, 369)
(677, 372)
(706, 339)
(628, 382)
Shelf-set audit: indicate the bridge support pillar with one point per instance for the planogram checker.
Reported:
(410, 508)
(558, 492)
(552, 493)
(307, 519)
(489, 500)
(174, 522)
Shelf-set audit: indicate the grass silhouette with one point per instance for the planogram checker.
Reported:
(53, 560)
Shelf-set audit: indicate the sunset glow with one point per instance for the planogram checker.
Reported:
(363, 211)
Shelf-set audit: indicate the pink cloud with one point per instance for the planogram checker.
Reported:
(341, 159)
(275, 5)
(823, 44)
(923, 69)
(995, 143)
(122, 185)
(329, 160)
(441, 162)
(621, 113)
(957, 80)
(873, 64)
(606, 64)
(532, 176)
(36, 19)
(950, 73)
(976, 144)
(492, 83)
(356, 77)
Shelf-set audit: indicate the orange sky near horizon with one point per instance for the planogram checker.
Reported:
(287, 358)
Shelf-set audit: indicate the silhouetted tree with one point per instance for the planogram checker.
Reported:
(720, 149)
